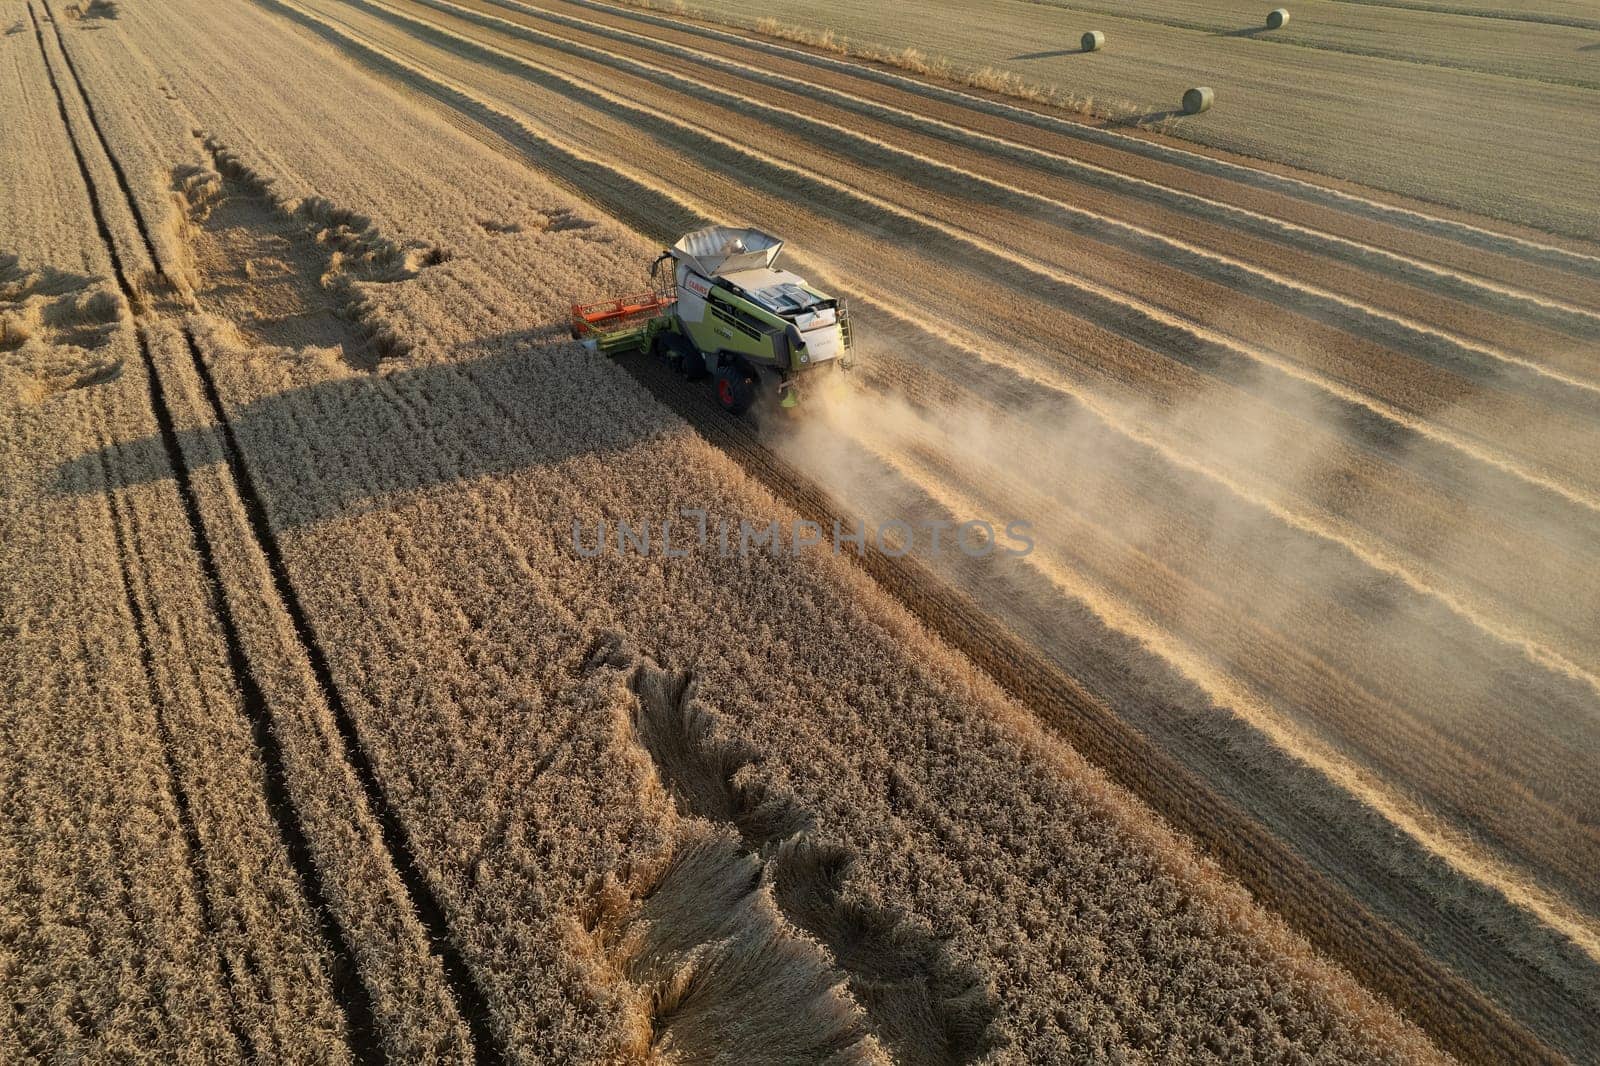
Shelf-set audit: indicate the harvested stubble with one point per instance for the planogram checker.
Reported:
(1430, 56)
(424, 513)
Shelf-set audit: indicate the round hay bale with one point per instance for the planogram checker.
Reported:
(1093, 41)
(1197, 100)
(1277, 18)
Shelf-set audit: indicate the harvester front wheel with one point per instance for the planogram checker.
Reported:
(681, 355)
(736, 388)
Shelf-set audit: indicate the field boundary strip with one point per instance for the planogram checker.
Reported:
(470, 1000)
(353, 998)
(1533, 250)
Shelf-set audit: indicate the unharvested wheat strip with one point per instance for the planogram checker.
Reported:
(242, 875)
(94, 818)
(747, 104)
(247, 863)
(1137, 145)
(1149, 313)
(1459, 853)
(119, 224)
(1070, 163)
(416, 1012)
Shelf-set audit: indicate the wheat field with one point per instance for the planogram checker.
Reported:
(324, 740)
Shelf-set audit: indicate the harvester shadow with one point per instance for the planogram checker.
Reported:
(348, 445)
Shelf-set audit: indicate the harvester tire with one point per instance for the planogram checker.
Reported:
(692, 363)
(736, 388)
(681, 355)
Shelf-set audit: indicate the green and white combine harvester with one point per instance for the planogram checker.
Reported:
(719, 308)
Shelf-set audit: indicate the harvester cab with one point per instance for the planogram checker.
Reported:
(720, 308)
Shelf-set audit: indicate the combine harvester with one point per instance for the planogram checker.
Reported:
(724, 311)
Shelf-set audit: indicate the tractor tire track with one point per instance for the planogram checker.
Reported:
(354, 997)
(194, 848)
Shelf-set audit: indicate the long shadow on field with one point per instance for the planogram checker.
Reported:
(347, 445)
